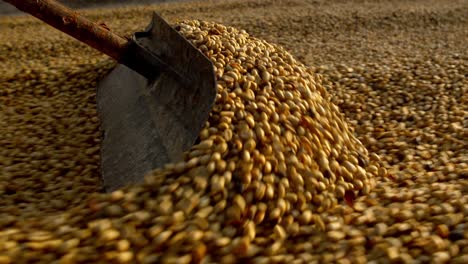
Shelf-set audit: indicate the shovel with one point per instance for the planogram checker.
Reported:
(153, 105)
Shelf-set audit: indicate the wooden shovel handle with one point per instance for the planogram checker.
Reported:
(73, 24)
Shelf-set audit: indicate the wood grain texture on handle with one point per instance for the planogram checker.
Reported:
(73, 24)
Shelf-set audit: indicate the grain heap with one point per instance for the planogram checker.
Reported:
(274, 153)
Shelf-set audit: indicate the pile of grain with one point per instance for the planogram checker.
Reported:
(274, 153)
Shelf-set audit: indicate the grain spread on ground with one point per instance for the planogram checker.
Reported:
(276, 159)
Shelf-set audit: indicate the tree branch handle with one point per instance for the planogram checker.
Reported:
(73, 24)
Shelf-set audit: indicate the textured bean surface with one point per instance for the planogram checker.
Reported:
(278, 175)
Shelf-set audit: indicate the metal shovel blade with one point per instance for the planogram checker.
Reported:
(148, 123)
